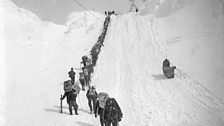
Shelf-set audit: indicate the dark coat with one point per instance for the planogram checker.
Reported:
(71, 73)
(168, 71)
(70, 96)
(112, 110)
(98, 110)
(166, 63)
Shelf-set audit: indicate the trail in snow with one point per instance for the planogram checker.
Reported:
(133, 66)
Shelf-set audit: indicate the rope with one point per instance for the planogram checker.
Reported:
(87, 10)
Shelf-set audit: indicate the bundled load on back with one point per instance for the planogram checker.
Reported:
(108, 109)
(112, 112)
(67, 86)
(102, 96)
(76, 88)
(87, 69)
(84, 60)
(168, 71)
(88, 61)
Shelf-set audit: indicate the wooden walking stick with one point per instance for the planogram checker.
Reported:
(61, 111)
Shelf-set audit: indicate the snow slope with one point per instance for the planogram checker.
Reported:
(196, 31)
(39, 54)
(135, 79)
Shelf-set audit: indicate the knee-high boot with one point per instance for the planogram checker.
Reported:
(76, 111)
(70, 111)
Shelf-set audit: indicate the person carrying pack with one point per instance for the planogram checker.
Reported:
(99, 108)
(86, 74)
(71, 92)
(92, 97)
(88, 61)
(71, 74)
(84, 59)
(76, 88)
(67, 86)
(82, 80)
(168, 71)
(112, 112)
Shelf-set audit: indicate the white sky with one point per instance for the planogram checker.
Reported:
(57, 10)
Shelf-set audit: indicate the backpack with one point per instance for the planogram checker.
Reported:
(88, 62)
(102, 99)
(76, 88)
(67, 86)
(81, 76)
(169, 71)
(86, 72)
(92, 90)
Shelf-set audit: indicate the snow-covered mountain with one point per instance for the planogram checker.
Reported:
(36, 56)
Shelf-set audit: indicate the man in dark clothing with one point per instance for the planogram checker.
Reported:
(92, 97)
(168, 71)
(166, 63)
(112, 112)
(72, 75)
(71, 100)
(100, 111)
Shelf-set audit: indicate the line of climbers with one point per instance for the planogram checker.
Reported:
(97, 47)
(90, 62)
(99, 104)
(104, 106)
(110, 13)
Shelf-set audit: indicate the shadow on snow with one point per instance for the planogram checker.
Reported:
(159, 77)
(83, 124)
(56, 109)
(65, 109)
